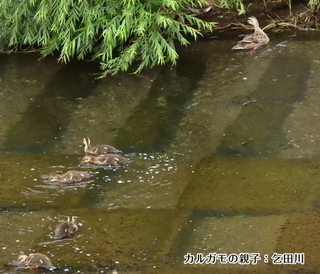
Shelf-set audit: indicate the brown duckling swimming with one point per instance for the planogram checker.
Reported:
(105, 160)
(66, 229)
(99, 149)
(35, 260)
(71, 176)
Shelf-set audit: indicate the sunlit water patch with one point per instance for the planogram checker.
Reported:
(149, 181)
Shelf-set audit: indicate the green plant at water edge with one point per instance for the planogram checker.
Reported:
(314, 4)
(306, 20)
(314, 8)
(117, 33)
(238, 4)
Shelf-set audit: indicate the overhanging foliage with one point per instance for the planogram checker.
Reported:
(117, 33)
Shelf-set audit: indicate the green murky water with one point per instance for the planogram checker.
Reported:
(223, 149)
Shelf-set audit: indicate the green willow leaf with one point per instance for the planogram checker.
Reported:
(120, 34)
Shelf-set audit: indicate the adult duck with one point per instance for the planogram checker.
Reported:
(255, 40)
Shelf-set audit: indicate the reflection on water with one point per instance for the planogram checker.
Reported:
(269, 105)
(179, 193)
(47, 116)
(159, 115)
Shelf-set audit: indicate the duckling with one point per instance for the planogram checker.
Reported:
(255, 40)
(105, 160)
(35, 260)
(71, 176)
(99, 149)
(66, 229)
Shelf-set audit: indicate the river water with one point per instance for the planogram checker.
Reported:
(224, 159)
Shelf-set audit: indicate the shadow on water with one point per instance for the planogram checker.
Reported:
(154, 122)
(94, 195)
(159, 115)
(48, 114)
(258, 130)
